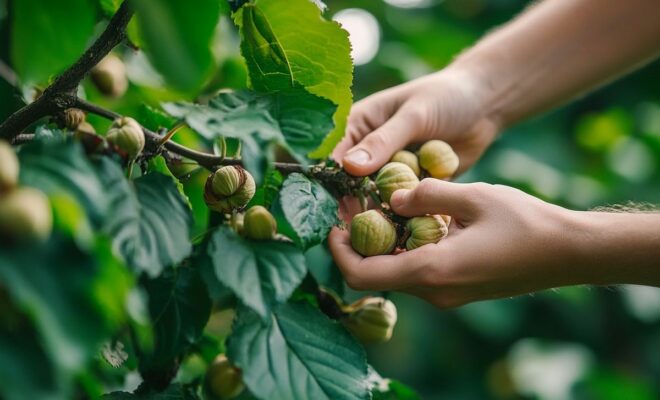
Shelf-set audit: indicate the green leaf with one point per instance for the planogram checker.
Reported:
(308, 208)
(299, 354)
(268, 191)
(261, 274)
(177, 37)
(180, 308)
(295, 118)
(74, 299)
(294, 44)
(48, 36)
(63, 168)
(151, 222)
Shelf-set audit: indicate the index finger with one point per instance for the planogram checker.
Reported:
(379, 272)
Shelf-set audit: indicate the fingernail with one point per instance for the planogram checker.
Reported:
(399, 197)
(357, 157)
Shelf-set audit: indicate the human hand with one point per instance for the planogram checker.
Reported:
(448, 105)
(502, 242)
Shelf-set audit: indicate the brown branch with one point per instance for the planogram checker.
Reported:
(60, 95)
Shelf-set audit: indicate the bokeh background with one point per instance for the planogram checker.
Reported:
(604, 148)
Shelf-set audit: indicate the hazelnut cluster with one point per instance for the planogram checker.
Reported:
(374, 232)
(25, 213)
(223, 380)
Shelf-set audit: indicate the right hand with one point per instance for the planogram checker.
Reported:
(447, 105)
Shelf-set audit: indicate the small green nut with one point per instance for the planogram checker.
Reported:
(372, 234)
(229, 188)
(73, 117)
(25, 215)
(109, 76)
(409, 158)
(259, 224)
(425, 230)
(394, 176)
(371, 319)
(126, 134)
(9, 167)
(223, 380)
(438, 158)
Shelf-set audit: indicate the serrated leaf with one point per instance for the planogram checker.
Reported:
(177, 38)
(296, 118)
(308, 208)
(299, 354)
(151, 222)
(294, 44)
(261, 274)
(62, 168)
(268, 190)
(179, 307)
(40, 47)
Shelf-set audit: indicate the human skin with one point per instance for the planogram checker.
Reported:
(505, 242)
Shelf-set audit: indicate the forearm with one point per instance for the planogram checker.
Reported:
(559, 49)
(615, 248)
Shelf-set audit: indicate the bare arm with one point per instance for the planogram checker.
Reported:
(559, 49)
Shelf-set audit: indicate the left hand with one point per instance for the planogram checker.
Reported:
(502, 242)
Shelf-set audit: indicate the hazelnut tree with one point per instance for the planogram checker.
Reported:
(126, 238)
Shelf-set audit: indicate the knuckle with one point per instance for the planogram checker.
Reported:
(478, 190)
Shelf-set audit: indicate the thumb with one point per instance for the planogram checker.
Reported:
(377, 148)
(434, 196)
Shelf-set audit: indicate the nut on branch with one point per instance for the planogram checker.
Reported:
(371, 319)
(438, 158)
(223, 380)
(229, 188)
(127, 135)
(394, 176)
(409, 158)
(109, 76)
(259, 224)
(372, 234)
(425, 230)
(73, 117)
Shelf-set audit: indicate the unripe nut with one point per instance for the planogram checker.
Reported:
(372, 234)
(425, 230)
(223, 380)
(409, 158)
(371, 320)
(438, 158)
(73, 117)
(25, 214)
(229, 188)
(394, 176)
(9, 167)
(127, 135)
(109, 76)
(259, 224)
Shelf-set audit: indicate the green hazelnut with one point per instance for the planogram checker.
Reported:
(259, 224)
(409, 158)
(25, 214)
(126, 134)
(73, 117)
(425, 230)
(394, 176)
(372, 234)
(229, 188)
(223, 380)
(371, 319)
(9, 167)
(438, 158)
(109, 76)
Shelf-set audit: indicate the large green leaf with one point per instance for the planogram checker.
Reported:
(179, 307)
(62, 168)
(308, 208)
(285, 45)
(299, 354)
(294, 118)
(150, 224)
(177, 37)
(261, 274)
(74, 299)
(48, 36)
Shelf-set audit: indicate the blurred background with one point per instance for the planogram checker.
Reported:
(604, 148)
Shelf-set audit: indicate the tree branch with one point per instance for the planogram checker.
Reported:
(61, 93)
